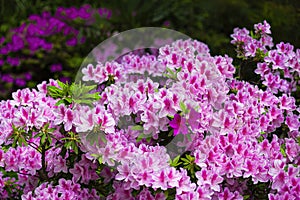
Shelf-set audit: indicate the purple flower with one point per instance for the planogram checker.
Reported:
(34, 43)
(2, 39)
(104, 12)
(65, 79)
(20, 82)
(17, 42)
(4, 50)
(84, 12)
(47, 46)
(166, 23)
(179, 125)
(7, 78)
(13, 61)
(27, 76)
(72, 41)
(55, 67)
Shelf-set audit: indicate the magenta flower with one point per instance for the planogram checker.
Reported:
(179, 125)
(56, 68)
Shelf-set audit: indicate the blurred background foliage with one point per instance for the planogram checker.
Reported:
(210, 21)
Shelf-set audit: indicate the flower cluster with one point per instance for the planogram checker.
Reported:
(42, 37)
(176, 125)
(34, 150)
(249, 144)
(65, 189)
(279, 67)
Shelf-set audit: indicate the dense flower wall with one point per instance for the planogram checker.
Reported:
(239, 140)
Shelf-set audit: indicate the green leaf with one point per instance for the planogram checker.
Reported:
(61, 84)
(74, 147)
(67, 144)
(39, 134)
(100, 159)
(148, 139)
(54, 92)
(179, 69)
(260, 139)
(21, 141)
(14, 144)
(95, 155)
(50, 130)
(43, 138)
(189, 137)
(176, 159)
(61, 101)
(137, 128)
(68, 100)
(252, 34)
(170, 71)
(183, 107)
(46, 126)
(185, 161)
(49, 139)
(175, 162)
(81, 94)
(171, 133)
(143, 136)
(53, 89)
(282, 150)
(190, 158)
(171, 74)
(286, 168)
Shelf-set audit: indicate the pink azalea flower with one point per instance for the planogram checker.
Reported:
(185, 184)
(226, 195)
(68, 119)
(279, 180)
(88, 73)
(167, 107)
(193, 119)
(293, 122)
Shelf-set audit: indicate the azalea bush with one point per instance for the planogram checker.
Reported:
(110, 135)
(49, 46)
